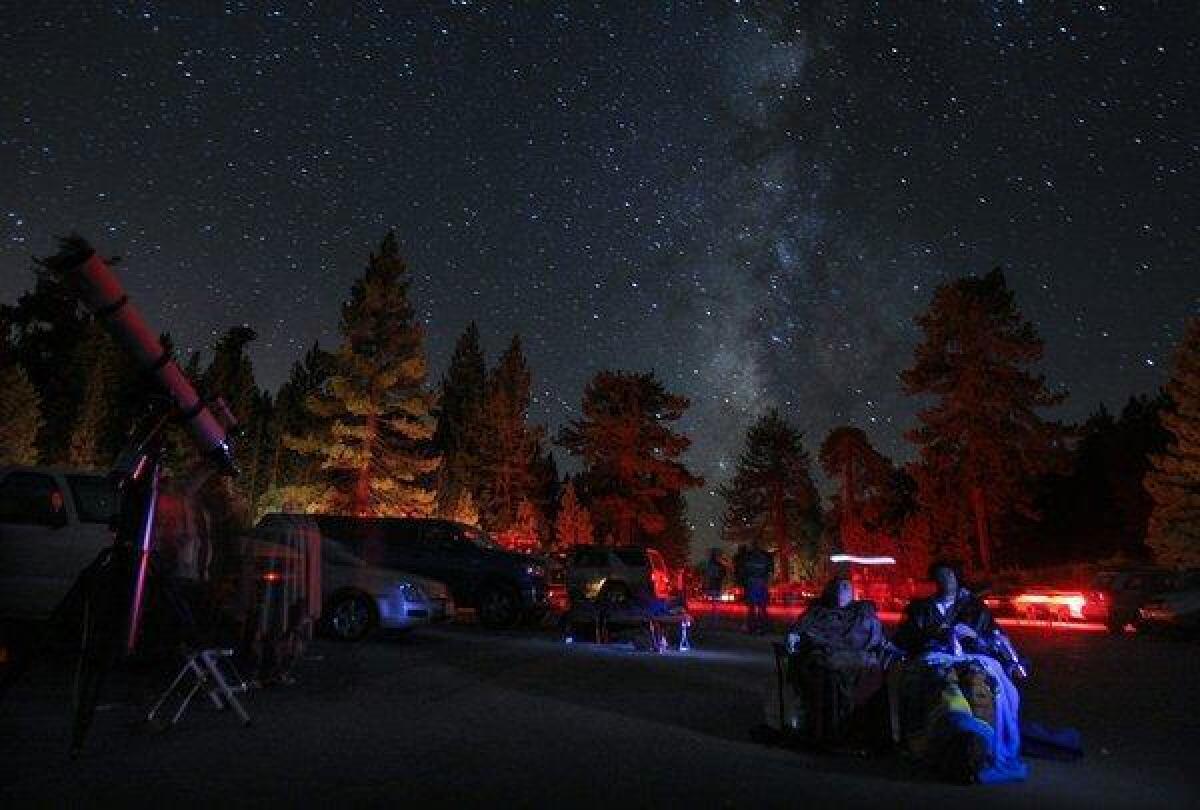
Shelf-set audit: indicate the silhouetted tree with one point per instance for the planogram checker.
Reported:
(631, 453)
(506, 441)
(44, 329)
(982, 442)
(1174, 480)
(847, 457)
(772, 499)
(460, 403)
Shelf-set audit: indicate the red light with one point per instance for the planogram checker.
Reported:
(1073, 602)
(272, 576)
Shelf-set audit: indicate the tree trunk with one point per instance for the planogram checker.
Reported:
(362, 487)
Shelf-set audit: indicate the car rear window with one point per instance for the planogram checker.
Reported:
(632, 556)
(590, 558)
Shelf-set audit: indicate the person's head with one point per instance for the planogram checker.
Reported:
(945, 577)
(839, 592)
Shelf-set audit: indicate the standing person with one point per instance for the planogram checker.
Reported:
(714, 581)
(714, 575)
(757, 567)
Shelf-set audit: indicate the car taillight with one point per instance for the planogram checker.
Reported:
(662, 585)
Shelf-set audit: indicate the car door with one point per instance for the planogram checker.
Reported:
(453, 559)
(38, 560)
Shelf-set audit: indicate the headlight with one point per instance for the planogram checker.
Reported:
(411, 593)
(535, 570)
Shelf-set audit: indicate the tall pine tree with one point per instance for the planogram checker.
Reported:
(771, 499)
(45, 328)
(506, 442)
(862, 474)
(20, 417)
(374, 423)
(983, 441)
(1174, 480)
(291, 417)
(631, 453)
(460, 403)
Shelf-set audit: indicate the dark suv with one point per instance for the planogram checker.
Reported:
(503, 586)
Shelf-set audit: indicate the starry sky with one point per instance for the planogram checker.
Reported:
(751, 199)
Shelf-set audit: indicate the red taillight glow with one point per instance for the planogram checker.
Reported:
(1074, 602)
(272, 576)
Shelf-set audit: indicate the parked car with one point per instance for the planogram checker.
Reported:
(356, 596)
(1116, 595)
(1176, 609)
(53, 523)
(619, 575)
(502, 586)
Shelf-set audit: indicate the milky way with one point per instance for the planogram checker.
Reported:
(752, 200)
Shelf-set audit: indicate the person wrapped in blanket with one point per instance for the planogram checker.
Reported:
(959, 708)
(836, 652)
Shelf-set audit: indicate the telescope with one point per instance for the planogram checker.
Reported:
(101, 292)
(210, 423)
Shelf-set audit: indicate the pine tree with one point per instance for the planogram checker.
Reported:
(230, 375)
(546, 491)
(630, 451)
(506, 442)
(373, 416)
(291, 417)
(20, 417)
(462, 509)
(847, 456)
(574, 524)
(982, 442)
(45, 328)
(460, 403)
(1174, 478)
(772, 499)
(675, 540)
(89, 444)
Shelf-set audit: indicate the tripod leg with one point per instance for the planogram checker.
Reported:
(96, 656)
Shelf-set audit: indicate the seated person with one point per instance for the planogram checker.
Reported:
(959, 705)
(836, 650)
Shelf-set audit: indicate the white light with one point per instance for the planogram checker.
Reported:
(854, 558)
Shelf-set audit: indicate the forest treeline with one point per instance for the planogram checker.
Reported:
(359, 428)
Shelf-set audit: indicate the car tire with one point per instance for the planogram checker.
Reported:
(351, 617)
(498, 607)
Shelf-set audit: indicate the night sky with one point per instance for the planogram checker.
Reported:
(753, 206)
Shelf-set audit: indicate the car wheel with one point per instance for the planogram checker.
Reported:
(498, 607)
(351, 617)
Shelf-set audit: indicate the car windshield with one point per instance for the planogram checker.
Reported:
(95, 498)
(478, 537)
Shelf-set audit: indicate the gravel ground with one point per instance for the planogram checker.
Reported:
(458, 716)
